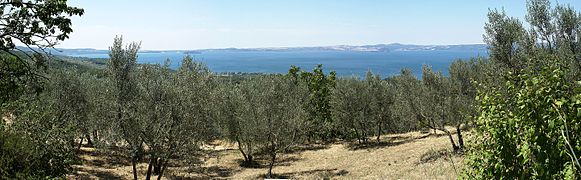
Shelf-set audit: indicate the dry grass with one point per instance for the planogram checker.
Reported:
(399, 156)
(8, 118)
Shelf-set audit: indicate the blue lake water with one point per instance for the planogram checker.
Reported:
(345, 63)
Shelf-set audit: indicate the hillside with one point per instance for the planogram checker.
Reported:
(80, 63)
(412, 155)
(337, 48)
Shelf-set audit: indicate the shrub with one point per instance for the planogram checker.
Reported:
(531, 131)
(35, 145)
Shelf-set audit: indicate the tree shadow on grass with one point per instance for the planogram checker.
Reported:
(307, 147)
(433, 135)
(286, 161)
(255, 164)
(397, 137)
(390, 141)
(213, 172)
(263, 161)
(112, 160)
(377, 145)
(97, 173)
(326, 173)
(104, 159)
(433, 155)
(422, 136)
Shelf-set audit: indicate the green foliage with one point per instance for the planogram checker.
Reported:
(27, 21)
(38, 143)
(436, 101)
(93, 66)
(226, 105)
(426, 100)
(23, 158)
(318, 104)
(533, 134)
(528, 126)
(351, 108)
(462, 90)
(362, 108)
(195, 86)
(172, 118)
(100, 97)
(269, 115)
(121, 68)
(34, 23)
(381, 103)
(407, 89)
(503, 35)
(13, 78)
(69, 97)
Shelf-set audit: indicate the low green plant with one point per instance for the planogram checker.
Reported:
(528, 130)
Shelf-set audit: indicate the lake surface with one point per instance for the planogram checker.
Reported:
(345, 63)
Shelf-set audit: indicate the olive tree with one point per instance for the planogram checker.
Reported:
(272, 113)
(352, 108)
(171, 118)
(435, 107)
(381, 102)
(462, 94)
(362, 108)
(101, 103)
(70, 102)
(157, 116)
(428, 102)
(196, 86)
(407, 89)
(237, 120)
(318, 104)
(121, 67)
(191, 120)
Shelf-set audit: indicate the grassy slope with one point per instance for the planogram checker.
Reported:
(399, 156)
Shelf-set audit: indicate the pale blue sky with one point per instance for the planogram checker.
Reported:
(200, 24)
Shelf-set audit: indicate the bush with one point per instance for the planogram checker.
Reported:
(38, 143)
(23, 158)
(530, 131)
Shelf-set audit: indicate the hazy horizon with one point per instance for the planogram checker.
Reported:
(274, 47)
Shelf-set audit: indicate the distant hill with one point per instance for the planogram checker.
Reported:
(372, 48)
(346, 60)
(363, 48)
